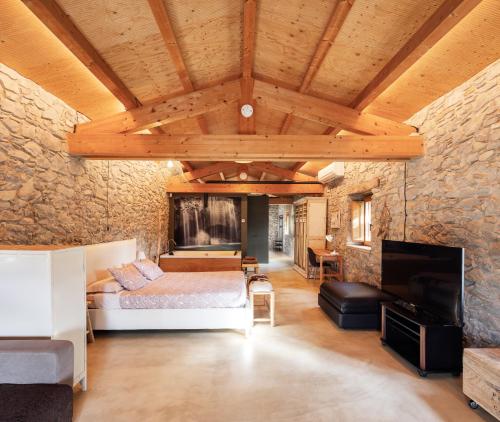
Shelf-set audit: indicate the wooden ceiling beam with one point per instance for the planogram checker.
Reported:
(247, 188)
(337, 19)
(160, 14)
(247, 125)
(245, 147)
(445, 18)
(209, 170)
(182, 107)
(270, 168)
(61, 25)
(297, 166)
(281, 201)
(326, 112)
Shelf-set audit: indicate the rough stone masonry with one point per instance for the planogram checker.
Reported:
(48, 197)
(452, 198)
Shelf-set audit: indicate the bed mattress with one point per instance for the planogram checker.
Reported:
(180, 290)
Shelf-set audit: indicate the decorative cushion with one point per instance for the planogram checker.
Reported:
(148, 269)
(129, 277)
(106, 285)
(261, 286)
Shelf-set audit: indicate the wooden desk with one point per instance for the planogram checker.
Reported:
(325, 255)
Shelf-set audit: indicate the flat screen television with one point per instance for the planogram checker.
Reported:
(430, 277)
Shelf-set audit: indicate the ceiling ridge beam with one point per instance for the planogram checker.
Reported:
(162, 18)
(61, 25)
(247, 124)
(326, 112)
(182, 107)
(332, 29)
(245, 147)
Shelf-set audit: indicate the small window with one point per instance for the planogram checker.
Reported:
(361, 220)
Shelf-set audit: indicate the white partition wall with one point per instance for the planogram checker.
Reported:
(42, 294)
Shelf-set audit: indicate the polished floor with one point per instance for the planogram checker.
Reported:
(304, 369)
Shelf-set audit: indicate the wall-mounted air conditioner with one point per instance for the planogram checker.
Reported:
(330, 173)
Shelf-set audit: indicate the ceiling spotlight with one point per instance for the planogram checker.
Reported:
(243, 176)
(170, 164)
(246, 110)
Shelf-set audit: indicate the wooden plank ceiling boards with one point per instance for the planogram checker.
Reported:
(245, 147)
(363, 66)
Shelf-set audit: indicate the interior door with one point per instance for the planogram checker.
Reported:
(258, 228)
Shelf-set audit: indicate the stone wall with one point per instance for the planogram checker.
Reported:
(453, 198)
(273, 224)
(48, 197)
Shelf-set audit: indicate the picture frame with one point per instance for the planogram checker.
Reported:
(335, 219)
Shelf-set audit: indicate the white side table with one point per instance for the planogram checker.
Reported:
(265, 289)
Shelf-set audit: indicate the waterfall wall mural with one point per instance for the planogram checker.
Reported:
(207, 222)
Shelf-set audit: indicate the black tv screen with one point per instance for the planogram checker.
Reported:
(427, 276)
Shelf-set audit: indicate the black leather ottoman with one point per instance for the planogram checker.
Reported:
(36, 403)
(352, 305)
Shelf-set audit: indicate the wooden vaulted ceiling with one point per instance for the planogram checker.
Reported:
(356, 53)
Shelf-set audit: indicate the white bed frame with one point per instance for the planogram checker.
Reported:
(102, 256)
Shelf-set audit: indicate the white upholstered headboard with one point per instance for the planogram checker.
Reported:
(101, 256)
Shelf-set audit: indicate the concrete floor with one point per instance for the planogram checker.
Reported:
(304, 369)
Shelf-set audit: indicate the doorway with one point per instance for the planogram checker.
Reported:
(281, 233)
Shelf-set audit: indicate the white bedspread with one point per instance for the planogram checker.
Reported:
(194, 290)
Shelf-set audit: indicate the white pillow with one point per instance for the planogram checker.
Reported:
(106, 285)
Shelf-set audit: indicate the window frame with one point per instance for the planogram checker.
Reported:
(361, 234)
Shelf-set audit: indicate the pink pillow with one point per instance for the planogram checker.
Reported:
(129, 277)
(148, 269)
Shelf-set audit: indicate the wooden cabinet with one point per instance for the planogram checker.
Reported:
(481, 381)
(310, 230)
(42, 294)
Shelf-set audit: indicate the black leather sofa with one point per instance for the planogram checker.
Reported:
(352, 305)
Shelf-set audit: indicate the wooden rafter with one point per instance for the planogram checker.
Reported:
(163, 21)
(245, 147)
(280, 201)
(247, 125)
(182, 107)
(264, 188)
(298, 165)
(270, 168)
(206, 171)
(449, 14)
(332, 29)
(61, 25)
(326, 112)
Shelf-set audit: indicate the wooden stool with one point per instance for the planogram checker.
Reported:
(264, 289)
(253, 266)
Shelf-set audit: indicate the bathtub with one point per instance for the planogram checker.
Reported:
(195, 261)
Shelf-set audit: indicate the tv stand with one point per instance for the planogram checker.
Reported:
(423, 340)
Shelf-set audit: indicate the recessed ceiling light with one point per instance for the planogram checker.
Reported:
(246, 110)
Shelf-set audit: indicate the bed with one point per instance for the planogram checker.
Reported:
(175, 301)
